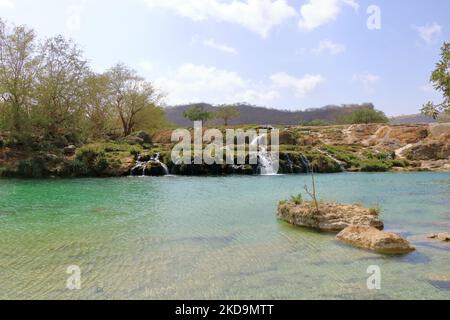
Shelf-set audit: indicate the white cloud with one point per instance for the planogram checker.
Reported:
(194, 83)
(430, 33)
(367, 79)
(330, 47)
(7, 3)
(259, 16)
(319, 12)
(220, 46)
(261, 97)
(302, 86)
(198, 83)
(147, 67)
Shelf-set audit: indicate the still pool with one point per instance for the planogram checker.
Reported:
(214, 238)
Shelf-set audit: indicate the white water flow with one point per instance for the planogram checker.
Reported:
(265, 161)
(163, 165)
(306, 164)
(342, 165)
(139, 165)
(142, 165)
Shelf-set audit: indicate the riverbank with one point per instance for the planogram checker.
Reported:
(356, 148)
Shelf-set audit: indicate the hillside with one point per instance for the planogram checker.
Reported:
(414, 118)
(264, 116)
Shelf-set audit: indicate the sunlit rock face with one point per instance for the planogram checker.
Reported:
(375, 240)
(331, 217)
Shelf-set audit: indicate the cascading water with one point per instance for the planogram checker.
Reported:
(290, 163)
(163, 165)
(265, 162)
(305, 162)
(342, 165)
(142, 165)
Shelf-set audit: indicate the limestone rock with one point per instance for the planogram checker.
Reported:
(429, 150)
(375, 240)
(70, 150)
(440, 131)
(331, 217)
(444, 237)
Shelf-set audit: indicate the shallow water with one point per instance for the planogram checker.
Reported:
(214, 238)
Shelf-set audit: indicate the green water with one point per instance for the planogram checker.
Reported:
(214, 238)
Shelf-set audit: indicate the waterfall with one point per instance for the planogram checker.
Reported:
(139, 165)
(305, 162)
(265, 161)
(143, 165)
(163, 165)
(290, 163)
(342, 164)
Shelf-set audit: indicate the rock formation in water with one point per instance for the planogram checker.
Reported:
(375, 240)
(331, 217)
(444, 237)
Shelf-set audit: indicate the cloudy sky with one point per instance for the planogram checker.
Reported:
(288, 54)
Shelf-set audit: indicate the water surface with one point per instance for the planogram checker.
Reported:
(214, 238)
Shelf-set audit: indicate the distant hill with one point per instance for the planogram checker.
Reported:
(266, 116)
(412, 119)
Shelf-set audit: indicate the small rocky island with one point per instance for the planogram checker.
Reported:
(357, 226)
(330, 217)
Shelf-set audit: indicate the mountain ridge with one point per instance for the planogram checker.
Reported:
(250, 114)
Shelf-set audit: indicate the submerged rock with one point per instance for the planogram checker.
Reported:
(444, 237)
(375, 240)
(331, 217)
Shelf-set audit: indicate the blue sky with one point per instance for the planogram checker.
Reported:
(287, 54)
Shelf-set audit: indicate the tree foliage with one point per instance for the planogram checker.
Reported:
(49, 92)
(364, 116)
(440, 79)
(198, 113)
(226, 113)
(130, 95)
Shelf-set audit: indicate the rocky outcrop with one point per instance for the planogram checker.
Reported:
(444, 237)
(70, 150)
(440, 131)
(330, 218)
(429, 150)
(375, 240)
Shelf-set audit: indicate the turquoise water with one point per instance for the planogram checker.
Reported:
(214, 238)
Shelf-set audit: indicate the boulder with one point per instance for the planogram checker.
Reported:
(444, 237)
(154, 169)
(146, 138)
(440, 131)
(288, 137)
(133, 140)
(330, 218)
(429, 150)
(375, 240)
(70, 150)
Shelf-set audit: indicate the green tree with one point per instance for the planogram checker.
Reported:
(364, 116)
(98, 110)
(130, 95)
(440, 79)
(226, 113)
(198, 113)
(60, 89)
(152, 119)
(18, 67)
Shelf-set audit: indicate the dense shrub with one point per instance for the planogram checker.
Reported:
(375, 166)
(35, 167)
